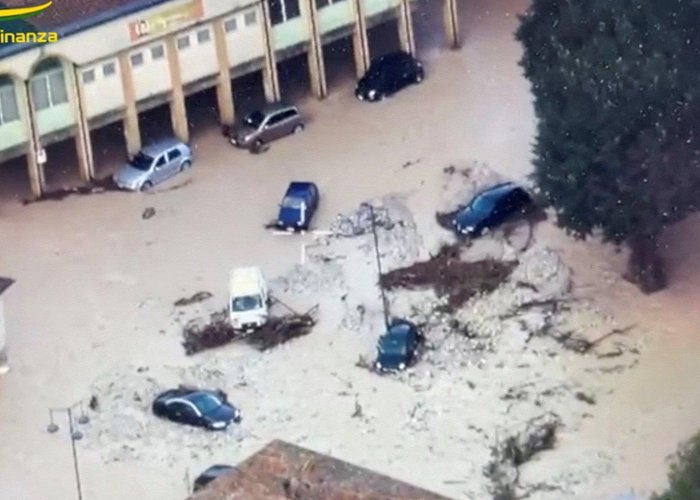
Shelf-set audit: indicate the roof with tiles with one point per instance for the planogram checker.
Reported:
(284, 471)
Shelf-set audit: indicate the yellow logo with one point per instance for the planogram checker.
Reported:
(22, 12)
(12, 13)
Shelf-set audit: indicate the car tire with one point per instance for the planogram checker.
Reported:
(298, 129)
(146, 186)
(257, 146)
(185, 165)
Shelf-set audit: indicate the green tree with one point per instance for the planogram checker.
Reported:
(616, 92)
(684, 476)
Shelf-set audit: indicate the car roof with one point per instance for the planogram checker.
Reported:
(162, 145)
(299, 187)
(278, 106)
(401, 327)
(217, 469)
(244, 280)
(499, 189)
(399, 54)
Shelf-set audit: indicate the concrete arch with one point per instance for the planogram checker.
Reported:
(20, 91)
(66, 63)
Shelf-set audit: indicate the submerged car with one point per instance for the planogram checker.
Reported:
(298, 206)
(266, 125)
(397, 348)
(490, 208)
(197, 407)
(387, 75)
(213, 472)
(154, 164)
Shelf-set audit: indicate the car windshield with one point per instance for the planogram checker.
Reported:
(392, 344)
(483, 203)
(141, 161)
(246, 303)
(254, 119)
(292, 202)
(205, 402)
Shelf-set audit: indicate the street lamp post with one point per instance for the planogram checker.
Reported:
(75, 435)
(385, 305)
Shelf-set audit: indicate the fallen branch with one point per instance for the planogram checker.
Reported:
(615, 331)
(507, 456)
(197, 297)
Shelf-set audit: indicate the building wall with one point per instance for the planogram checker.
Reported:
(245, 39)
(152, 77)
(93, 54)
(15, 132)
(292, 32)
(104, 93)
(198, 59)
(374, 7)
(112, 37)
(59, 115)
(334, 16)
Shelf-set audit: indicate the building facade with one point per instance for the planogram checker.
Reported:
(5, 283)
(124, 60)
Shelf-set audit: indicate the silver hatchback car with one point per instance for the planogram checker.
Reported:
(154, 164)
(261, 127)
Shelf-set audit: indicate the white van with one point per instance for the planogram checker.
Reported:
(248, 299)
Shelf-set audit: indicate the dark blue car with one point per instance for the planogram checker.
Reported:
(197, 407)
(397, 348)
(212, 473)
(298, 206)
(490, 208)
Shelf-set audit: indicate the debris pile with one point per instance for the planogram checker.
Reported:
(450, 276)
(97, 186)
(360, 221)
(218, 332)
(279, 330)
(195, 298)
(198, 337)
(508, 455)
(319, 277)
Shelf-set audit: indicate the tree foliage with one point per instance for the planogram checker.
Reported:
(684, 476)
(616, 87)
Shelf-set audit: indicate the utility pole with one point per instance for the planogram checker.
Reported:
(75, 435)
(385, 304)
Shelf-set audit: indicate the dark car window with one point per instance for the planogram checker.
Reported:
(293, 202)
(142, 161)
(173, 154)
(391, 344)
(254, 119)
(205, 402)
(161, 161)
(275, 119)
(246, 303)
(484, 203)
(281, 116)
(188, 412)
(290, 113)
(175, 408)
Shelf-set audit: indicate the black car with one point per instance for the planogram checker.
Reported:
(213, 472)
(201, 408)
(397, 348)
(389, 74)
(491, 208)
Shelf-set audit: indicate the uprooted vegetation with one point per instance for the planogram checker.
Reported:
(684, 475)
(218, 332)
(450, 276)
(509, 454)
